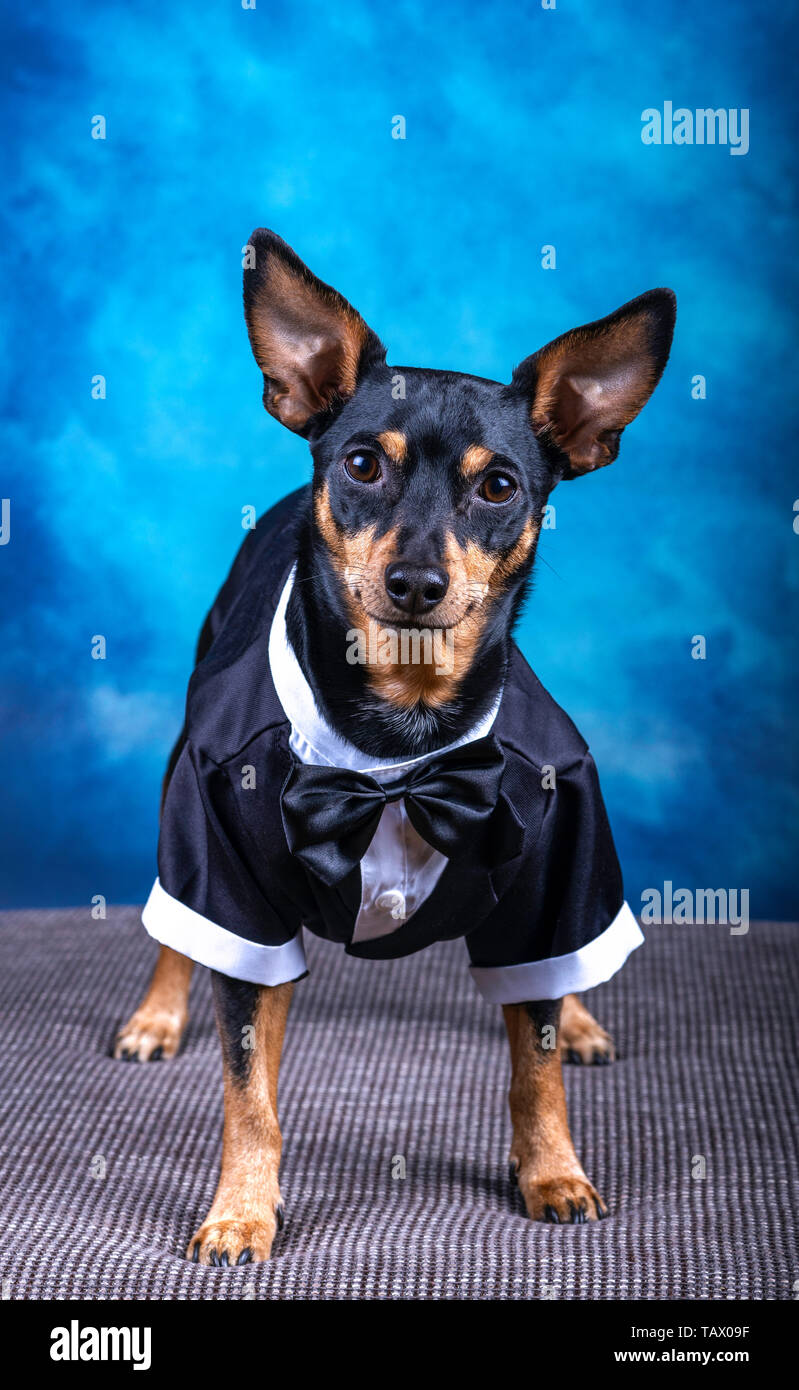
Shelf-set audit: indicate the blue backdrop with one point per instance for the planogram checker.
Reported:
(523, 130)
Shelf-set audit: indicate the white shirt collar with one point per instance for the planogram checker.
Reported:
(321, 744)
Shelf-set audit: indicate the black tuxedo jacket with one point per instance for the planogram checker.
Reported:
(228, 882)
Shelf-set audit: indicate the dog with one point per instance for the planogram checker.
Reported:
(341, 770)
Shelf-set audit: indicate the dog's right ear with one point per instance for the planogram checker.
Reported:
(585, 387)
(310, 344)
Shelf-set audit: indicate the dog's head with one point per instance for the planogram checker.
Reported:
(429, 486)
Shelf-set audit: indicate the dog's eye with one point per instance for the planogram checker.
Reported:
(362, 467)
(497, 487)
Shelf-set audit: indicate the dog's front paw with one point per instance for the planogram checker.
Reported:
(582, 1040)
(234, 1242)
(150, 1035)
(567, 1200)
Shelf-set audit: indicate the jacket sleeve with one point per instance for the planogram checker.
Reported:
(563, 924)
(206, 902)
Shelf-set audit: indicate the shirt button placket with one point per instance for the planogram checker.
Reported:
(392, 901)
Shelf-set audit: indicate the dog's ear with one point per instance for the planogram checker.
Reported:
(310, 344)
(586, 386)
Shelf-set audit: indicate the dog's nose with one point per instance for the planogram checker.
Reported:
(416, 588)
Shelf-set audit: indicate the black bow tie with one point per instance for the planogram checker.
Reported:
(330, 814)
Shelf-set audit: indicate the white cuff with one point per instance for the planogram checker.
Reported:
(570, 974)
(188, 932)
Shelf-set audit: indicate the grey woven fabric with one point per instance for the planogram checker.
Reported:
(401, 1058)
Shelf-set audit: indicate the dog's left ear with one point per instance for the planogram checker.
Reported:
(310, 344)
(586, 386)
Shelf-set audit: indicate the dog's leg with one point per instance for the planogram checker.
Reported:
(247, 1209)
(155, 1030)
(582, 1039)
(546, 1167)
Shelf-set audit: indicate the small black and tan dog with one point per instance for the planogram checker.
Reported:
(423, 514)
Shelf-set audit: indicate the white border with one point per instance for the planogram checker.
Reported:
(173, 924)
(579, 970)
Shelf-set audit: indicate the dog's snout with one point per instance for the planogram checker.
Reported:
(416, 588)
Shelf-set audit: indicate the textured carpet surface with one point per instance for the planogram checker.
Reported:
(107, 1168)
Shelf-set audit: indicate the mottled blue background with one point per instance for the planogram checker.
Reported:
(523, 128)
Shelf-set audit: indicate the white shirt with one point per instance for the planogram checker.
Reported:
(399, 869)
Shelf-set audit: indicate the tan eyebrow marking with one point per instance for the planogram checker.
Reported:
(475, 460)
(394, 444)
